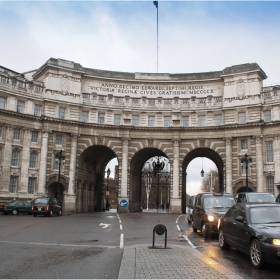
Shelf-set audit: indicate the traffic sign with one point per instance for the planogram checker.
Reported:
(123, 203)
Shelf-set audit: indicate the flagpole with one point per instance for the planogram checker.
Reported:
(156, 4)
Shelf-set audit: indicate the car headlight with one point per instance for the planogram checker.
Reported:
(276, 242)
(211, 218)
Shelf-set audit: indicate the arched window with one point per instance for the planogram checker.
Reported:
(15, 157)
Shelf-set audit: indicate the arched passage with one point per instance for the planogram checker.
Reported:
(201, 152)
(136, 166)
(90, 178)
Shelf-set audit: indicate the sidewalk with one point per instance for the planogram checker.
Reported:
(175, 262)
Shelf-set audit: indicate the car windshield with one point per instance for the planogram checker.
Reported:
(261, 197)
(218, 201)
(265, 215)
(42, 200)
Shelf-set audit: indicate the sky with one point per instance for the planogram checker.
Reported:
(193, 36)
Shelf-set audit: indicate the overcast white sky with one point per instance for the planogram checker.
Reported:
(194, 36)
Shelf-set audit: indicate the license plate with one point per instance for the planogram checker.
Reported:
(39, 209)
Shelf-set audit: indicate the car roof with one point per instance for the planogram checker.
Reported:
(215, 194)
(258, 204)
(255, 193)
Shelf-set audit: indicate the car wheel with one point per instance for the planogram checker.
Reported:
(51, 214)
(189, 221)
(256, 254)
(194, 229)
(59, 213)
(205, 233)
(222, 240)
(14, 211)
(34, 215)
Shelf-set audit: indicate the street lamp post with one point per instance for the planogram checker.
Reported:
(158, 167)
(59, 158)
(107, 192)
(245, 161)
(148, 178)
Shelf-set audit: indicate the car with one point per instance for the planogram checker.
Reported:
(46, 206)
(253, 228)
(15, 207)
(255, 197)
(207, 209)
(190, 208)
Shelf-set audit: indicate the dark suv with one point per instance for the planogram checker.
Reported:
(190, 208)
(46, 206)
(207, 209)
(254, 197)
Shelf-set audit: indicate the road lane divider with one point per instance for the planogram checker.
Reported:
(121, 241)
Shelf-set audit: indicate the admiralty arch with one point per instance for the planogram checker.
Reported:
(92, 116)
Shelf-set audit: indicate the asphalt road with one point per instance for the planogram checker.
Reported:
(91, 245)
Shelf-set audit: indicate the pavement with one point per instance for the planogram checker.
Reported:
(173, 262)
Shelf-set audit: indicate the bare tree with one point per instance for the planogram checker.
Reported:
(206, 182)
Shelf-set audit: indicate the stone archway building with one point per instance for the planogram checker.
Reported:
(94, 116)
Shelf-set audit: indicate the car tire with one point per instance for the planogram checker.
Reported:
(189, 221)
(14, 211)
(256, 254)
(51, 214)
(194, 229)
(222, 240)
(59, 213)
(34, 215)
(205, 233)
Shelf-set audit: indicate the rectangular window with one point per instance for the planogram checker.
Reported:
(267, 116)
(269, 151)
(16, 134)
(2, 102)
(201, 120)
(101, 118)
(58, 140)
(243, 169)
(31, 185)
(61, 113)
(85, 116)
(34, 137)
(1, 129)
(13, 184)
(167, 121)
(218, 120)
(135, 120)
(185, 121)
(15, 156)
(151, 121)
(117, 119)
(244, 144)
(241, 117)
(37, 110)
(20, 106)
(33, 160)
(270, 184)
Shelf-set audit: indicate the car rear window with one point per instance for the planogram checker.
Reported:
(218, 201)
(261, 197)
(42, 200)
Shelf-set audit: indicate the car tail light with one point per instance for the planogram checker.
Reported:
(32, 208)
(4, 207)
(47, 208)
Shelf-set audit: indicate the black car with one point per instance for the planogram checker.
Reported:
(190, 208)
(255, 197)
(15, 207)
(46, 206)
(253, 228)
(207, 209)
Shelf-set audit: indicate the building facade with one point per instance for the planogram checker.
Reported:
(92, 116)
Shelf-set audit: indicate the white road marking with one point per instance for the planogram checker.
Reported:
(121, 241)
(186, 238)
(104, 225)
(178, 228)
(120, 221)
(120, 227)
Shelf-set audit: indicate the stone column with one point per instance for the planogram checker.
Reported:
(25, 156)
(124, 174)
(72, 171)
(259, 164)
(228, 166)
(43, 164)
(276, 154)
(175, 203)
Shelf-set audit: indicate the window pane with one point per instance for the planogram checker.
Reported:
(117, 119)
(37, 110)
(185, 121)
(244, 144)
(34, 137)
(61, 114)
(167, 121)
(13, 184)
(20, 107)
(267, 116)
(201, 120)
(151, 121)
(16, 134)
(270, 184)
(58, 140)
(101, 117)
(33, 160)
(85, 116)
(218, 120)
(242, 118)
(135, 120)
(269, 151)
(31, 185)
(15, 156)
(2, 103)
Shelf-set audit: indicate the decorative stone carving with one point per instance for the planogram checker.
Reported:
(202, 142)
(240, 89)
(64, 84)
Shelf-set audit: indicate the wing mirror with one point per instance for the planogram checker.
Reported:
(239, 219)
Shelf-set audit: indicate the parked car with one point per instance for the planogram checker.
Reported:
(253, 228)
(15, 207)
(255, 197)
(207, 210)
(46, 206)
(190, 208)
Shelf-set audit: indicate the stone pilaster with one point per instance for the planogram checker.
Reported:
(259, 164)
(228, 166)
(72, 171)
